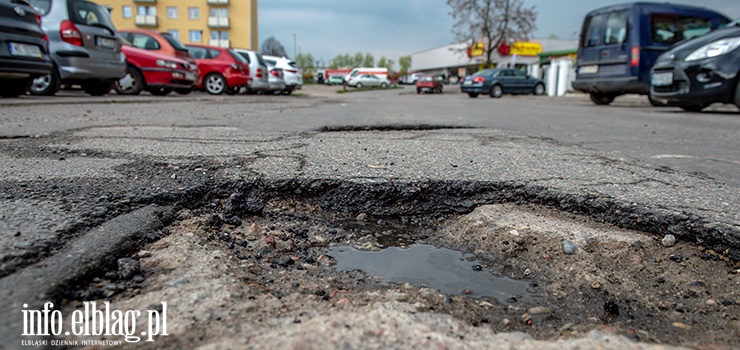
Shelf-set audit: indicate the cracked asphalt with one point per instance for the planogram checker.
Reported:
(72, 164)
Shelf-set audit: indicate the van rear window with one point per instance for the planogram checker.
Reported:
(616, 28)
(592, 30)
(670, 29)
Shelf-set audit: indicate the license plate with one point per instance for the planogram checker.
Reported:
(189, 76)
(662, 79)
(468, 82)
(25, 50)
(105, 42)
(589, 69)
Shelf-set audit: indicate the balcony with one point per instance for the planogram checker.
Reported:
(218, 2)
(146, 20)
(145, 1)
(220, 43)
(218, 22)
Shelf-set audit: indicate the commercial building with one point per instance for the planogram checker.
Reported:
(224, 23)
(458, 60)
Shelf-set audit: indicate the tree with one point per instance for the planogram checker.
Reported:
(492, 21)
(272, 47)
(357, 61)
(404, 62)
(368, 61)
(305, 61)
(385, 63)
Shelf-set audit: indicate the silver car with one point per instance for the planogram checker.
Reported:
(258, 70)
(83, 44)
(291, 73)
(277, 82)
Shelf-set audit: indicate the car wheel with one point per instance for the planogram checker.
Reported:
(383, 85)
(418, 91)
(131, 84)
(160, 91)
(97, 87)
(215, 84)
(693, 108)
(539, 90)
(737, 94)
(359, 85)
(601, 99)
(439, 90)
(473, 94)
(184, 91)
(14, 87)
(46, 85)
(496, 91)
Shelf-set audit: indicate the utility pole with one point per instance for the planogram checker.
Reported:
(295, 47)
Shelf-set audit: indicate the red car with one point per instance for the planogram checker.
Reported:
(154, 72)
(223, 70)
(429, 83)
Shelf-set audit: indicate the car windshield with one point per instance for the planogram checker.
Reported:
(485, 72)
(238, 57)
(89, 13)
(174, 42)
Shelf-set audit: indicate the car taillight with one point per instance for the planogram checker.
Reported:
(478, 79)
(259, 73)
(70, 33)
(236, 66)
(635, 56)
(275, 73)
(38, 19)
(291, 71)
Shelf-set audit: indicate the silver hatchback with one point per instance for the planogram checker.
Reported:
(84, 46)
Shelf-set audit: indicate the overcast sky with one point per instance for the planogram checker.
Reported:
(395, 28)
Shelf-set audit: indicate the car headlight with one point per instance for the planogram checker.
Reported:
(167, 64)
(713, 49)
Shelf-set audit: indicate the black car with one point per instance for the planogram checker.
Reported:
(700, 72)
(24, 50)
(499, 81)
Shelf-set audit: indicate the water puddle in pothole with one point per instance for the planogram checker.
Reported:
(449, 271)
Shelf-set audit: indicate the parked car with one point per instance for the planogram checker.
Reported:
(620, 44)
(223, 70)
(154, 72)
(499, 81)
(257, 70)
(363, 80)
(335, 80)
(430, 84)
(24, 50)
(162, 43)
(84, 47)
(699, 72)
(276, 81)
(291, 73)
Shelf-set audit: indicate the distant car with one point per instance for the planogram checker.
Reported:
(363, 80)
(257, 70)
(154, 72)
(276, 81)
(701, 71)
(162, 43)
(24, 51)
(293, 75)
(498, 81)
(223, 70)
(84, 46)
(430, 84)
(335, 80)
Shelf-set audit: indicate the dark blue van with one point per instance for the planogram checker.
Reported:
(620, 43)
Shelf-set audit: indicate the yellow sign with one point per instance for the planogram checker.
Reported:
(523, 48)
(478, 49)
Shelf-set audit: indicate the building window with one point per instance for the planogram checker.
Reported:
(172, 12)
(219, 35)
(219, 12)
(175, 33)
(146, 10)
(193, 13)
(126, 11)
(195, 36)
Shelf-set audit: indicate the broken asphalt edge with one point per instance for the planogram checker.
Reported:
(88, 254)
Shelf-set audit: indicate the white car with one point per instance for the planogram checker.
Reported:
(291, 73)
(277, 83)
(257, 70)
(367, 80)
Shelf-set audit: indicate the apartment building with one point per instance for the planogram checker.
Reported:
(224, 23)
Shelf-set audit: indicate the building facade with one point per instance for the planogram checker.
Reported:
(224, 23)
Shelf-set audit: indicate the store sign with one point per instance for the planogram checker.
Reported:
(477, 49)
(523, 48)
